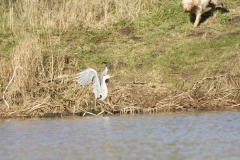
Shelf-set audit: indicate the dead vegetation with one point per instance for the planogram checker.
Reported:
(62, 14)
(38, 66)
(219, 93)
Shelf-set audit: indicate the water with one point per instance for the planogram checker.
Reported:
(163, 136)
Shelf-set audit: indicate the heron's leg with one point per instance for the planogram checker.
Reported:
(95, 105)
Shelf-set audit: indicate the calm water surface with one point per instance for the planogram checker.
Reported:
(163, 136)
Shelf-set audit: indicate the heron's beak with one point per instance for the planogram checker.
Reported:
(111, 76)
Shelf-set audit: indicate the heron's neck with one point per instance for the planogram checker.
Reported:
(104, 91)
(103, 85)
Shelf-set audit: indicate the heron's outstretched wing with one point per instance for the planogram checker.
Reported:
(86, 77)
(104, 73)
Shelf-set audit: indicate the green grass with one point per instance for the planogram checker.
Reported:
(163, 42)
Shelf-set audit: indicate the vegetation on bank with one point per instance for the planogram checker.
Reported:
(150, 47)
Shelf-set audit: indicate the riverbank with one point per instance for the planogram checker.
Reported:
(156, 56)
(220, 93)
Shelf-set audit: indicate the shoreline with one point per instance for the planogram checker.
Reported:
(109, 114)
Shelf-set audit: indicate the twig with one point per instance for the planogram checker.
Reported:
(9, 84)
(87, 112)
(108, 112)
(99, 113)
(45, 85)
(235, 105)
(74, 110)
(206, 93)
(86, 103)
(135, 82)
(225, 96)
(17, 111)
(107, 103)
(37, 106)
(190, 97)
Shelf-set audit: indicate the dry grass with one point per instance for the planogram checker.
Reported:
(37, 74)
(40, 82)
(210, 93)
(62, 14)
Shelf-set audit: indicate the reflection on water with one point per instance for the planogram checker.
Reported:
(162, 136)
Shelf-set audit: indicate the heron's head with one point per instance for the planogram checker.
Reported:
(106, 78)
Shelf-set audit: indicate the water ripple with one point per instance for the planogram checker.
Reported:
(162, 136)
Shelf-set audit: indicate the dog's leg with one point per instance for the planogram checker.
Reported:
(198, 18)
(223, 5)
(217, 2)
(213, 6)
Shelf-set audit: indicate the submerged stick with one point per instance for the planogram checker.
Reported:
(99, 113)
(87, 112)
(9, 84)
(108, 112)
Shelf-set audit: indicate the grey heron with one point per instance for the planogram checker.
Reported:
(99, 85)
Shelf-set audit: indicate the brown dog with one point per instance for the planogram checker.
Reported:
(196, 7)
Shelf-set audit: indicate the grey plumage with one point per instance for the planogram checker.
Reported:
(99, 84)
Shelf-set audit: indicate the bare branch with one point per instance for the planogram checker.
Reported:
(5, 101)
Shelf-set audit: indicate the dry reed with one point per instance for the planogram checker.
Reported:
(44, 85)
(210, 93)
(62, 14)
